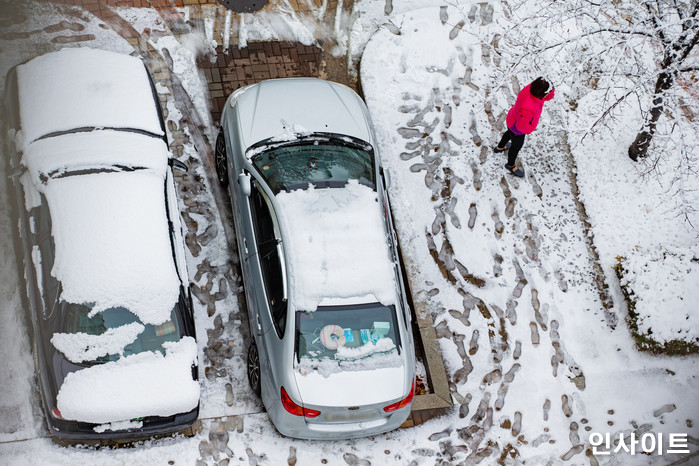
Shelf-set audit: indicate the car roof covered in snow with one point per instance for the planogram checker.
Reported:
(105, 192)
(81, 87)
(337, 247)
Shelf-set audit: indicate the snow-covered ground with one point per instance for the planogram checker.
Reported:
(536, 363)
(553, 360)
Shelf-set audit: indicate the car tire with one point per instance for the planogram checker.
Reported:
(221, 160)
(254, 369)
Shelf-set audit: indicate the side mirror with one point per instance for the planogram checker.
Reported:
(177, 165)
(386, 178)
(16, 173)
(244, 182)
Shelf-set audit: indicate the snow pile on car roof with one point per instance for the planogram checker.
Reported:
(143, 384)
(336, 246)
(82, 87)
(113, 243)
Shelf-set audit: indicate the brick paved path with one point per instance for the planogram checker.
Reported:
(256, 62)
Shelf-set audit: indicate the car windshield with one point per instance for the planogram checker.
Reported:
(323, 162)
(151, 338)
(358, 337)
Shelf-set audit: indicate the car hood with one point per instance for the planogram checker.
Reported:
(276, 108)
(82, 87)
(351, 388)
(140, 385)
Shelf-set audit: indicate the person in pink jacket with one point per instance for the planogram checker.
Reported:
(522, 119)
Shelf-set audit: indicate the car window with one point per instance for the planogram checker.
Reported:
(173, 213)
(268, 247)
(77, 320)
(11, 101)
(49, 286)
(322, 164)
(346, 334)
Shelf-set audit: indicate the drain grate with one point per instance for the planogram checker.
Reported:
(243, 6)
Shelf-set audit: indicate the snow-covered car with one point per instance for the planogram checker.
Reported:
(332, 353)
(101, 246)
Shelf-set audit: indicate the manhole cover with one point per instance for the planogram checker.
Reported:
(243, 6)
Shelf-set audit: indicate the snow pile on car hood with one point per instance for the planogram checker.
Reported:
(336, 245)
(82, 87)
(113, 243)
(143, 384)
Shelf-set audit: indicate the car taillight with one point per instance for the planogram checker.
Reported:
(56, 413)
(295, 409)
(402, 403)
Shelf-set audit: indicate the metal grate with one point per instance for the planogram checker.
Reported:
(243, 6)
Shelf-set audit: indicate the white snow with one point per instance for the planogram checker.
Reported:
(110, 229)
(336, 245)
(142, 19)
(183, 53)
(95, 149)
(112, 242)
(92, 88)
(264, 25)
(382, 345)
(348, 387)
(143, 384)
(79, 347)
(32, 198)
(665, 285)
(658, 244)
(362, 358)
(431, 94)
(36, 260)
(119, 425)
(289, 133)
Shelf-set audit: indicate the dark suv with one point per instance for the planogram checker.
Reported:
(101, 247)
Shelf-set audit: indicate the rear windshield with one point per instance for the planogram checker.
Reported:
(356, 337)
(320, 163)
(151, 339)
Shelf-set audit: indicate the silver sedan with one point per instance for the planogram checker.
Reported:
(332, 353)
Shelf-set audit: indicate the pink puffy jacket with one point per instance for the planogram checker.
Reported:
(524, 115)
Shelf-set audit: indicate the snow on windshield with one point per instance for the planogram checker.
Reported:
(87, 88)
(336, 245)
(144, 384)
(80, 347)
(96, 149)
(112, 242)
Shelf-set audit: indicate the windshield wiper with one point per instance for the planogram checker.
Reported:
(88, 129)
(310, 139)
(55, 174)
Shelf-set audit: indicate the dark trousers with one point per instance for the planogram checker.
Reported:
(517, 142)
